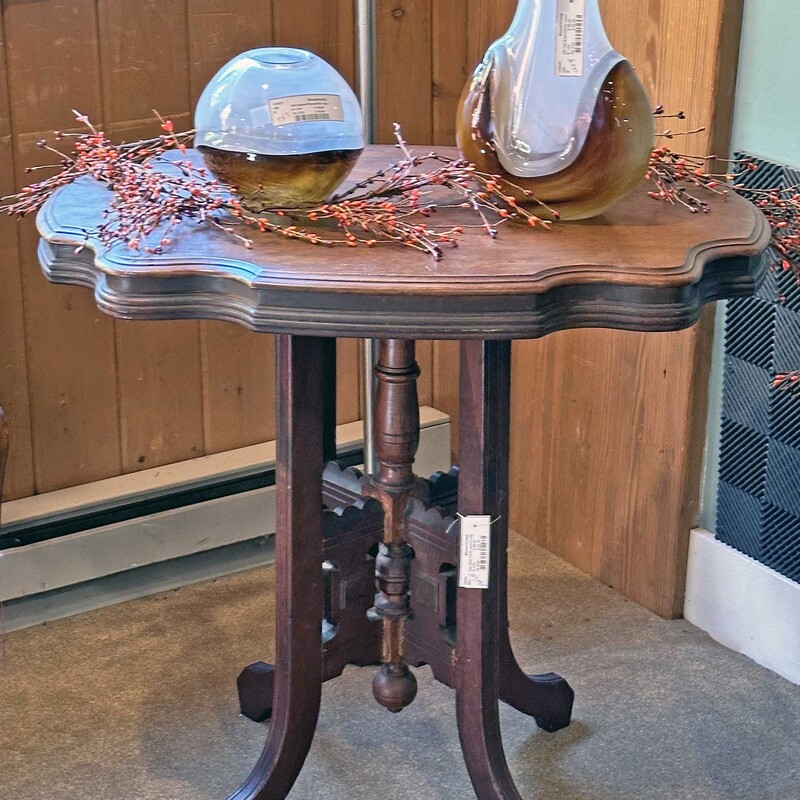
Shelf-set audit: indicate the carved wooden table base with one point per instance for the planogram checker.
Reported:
(400, 533)
(642, 266)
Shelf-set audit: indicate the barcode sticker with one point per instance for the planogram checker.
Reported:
(473, 566)
(570, 38)
(306, 108)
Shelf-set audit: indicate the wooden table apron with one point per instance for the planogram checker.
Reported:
(644, 266)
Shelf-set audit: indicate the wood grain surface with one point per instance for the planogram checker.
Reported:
(624, 406)
(88, 397)
(158, 364)
(71, 359)
(686, 54)
(13, 356)
(640, 244)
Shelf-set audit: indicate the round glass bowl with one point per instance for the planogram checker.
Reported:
(281, 125)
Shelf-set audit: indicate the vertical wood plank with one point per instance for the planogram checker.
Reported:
(607, 473)
(488, 20)
(52, 62)
(445, 387)
(160, 396)
(221, 29)
(70, 345)
(425, 382)
(160, 393)
(238, 386)
(13, 363)
(326, 27)
(404, 69)
(451, 67)
(238, 366)
(348, 394)
(143, 59)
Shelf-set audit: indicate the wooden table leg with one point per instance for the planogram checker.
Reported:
(299, 556)
(256, 682)
(483, 489)
(483, 668)
(328, 400)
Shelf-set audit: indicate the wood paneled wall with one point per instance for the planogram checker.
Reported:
(611, 482)
(89, 397)
(608, 426)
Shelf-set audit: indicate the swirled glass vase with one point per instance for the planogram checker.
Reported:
(557, 112)
(281, 125)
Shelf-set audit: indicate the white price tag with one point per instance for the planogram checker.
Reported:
(306, 108)
(570, 30)
(473, 566)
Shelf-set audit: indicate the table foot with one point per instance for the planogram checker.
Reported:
(256, 684)
(547, 698)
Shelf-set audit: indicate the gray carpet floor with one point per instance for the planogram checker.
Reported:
(138, 702)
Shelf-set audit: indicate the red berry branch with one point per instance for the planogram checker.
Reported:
(789, 381)
(92, 154)
(156, 185)
(683, 179)
(155, 189)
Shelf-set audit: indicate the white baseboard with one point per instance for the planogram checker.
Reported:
(744, 605)
(221, 525)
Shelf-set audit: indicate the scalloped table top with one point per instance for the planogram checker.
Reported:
(645, 265)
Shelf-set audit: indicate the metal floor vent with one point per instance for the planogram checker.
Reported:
(758, 504)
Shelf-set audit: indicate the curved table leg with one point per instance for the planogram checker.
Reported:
(299, 555)
(547, 698)
(483, 489)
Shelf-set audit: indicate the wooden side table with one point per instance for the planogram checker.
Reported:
(645, 266)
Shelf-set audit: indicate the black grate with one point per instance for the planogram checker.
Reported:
(758, 504)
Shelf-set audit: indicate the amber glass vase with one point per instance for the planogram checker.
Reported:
(557, 112)
(280, 125)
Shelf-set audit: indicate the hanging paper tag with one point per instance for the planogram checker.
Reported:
(306, 108)
(570, 22)
(476, 533)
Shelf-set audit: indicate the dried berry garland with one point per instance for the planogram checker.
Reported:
(156, 185)
(391, 207)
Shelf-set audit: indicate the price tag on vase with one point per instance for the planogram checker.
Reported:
(570, 24)
(306, 108)
(473, 565)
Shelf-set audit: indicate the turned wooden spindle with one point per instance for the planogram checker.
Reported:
(394, 484)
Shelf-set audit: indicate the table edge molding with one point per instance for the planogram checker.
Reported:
(345, 314)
